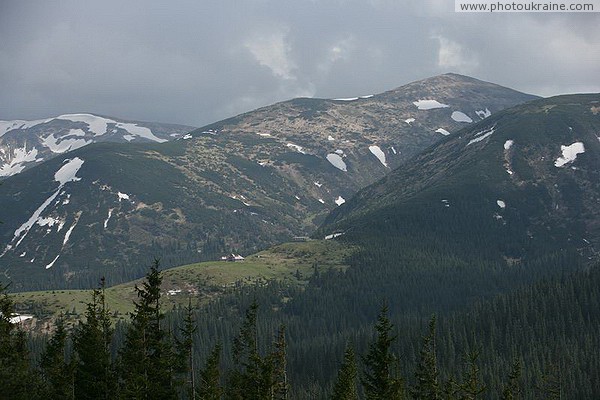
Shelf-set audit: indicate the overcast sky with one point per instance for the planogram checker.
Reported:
(196, 62)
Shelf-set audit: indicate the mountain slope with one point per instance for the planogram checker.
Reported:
(238, 185)
(525, 178)
(23, 144)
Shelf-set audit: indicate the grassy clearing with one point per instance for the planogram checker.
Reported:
(290, 262)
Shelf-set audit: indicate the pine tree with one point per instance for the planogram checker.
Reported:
(380, 379)
(251, 377)
(147, 359)
(16, 376)
(280, 386)
(427, 386)
(550, 386)
(209, 385)
(185, 350)
(450, 390)
(95, 378)
(471, 388)
(345, 385)
(512, 389)
(57, 372)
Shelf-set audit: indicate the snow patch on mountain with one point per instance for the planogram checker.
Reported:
(140, 131)
(459, 116)
(340, 200)
(508, 144)
(353, 98)
(337, 162)
(483, 113)
(7, 126)
(501, 203)
(62, 145)
(293, 146)
(429, 104)
(68, 172)
(97, 125)
(569, 154)
(49, 221)
(18, 318)
(20, 156)
(377, 152)
(409, 120)
(442, 131)
(122, 196)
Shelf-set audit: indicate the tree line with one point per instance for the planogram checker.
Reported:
(156, 361)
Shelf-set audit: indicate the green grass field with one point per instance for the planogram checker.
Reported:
(289, 262)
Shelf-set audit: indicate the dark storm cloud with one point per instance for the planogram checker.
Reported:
(195, 62)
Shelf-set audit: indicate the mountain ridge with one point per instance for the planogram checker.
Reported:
(540, 154)
(24, 144)
(239, 185)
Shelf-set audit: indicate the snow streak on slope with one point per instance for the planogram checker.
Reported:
(67, 173)
(482, 135)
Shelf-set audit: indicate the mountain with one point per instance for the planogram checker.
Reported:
(24, 144)
(523, 179)
(238, 185)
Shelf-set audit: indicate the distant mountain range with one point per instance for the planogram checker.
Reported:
(238, 185)
(24, 144)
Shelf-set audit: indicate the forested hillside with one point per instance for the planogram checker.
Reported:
(535, 343)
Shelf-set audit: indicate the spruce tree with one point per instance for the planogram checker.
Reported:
(550, 386)
(471, 387)
(345, 385)
(209, 385)
(426, 376)
(380, 378)
(94, 375)
(16, 377)
(280, 386)
(146, 363)
(57, 372)
(251, 376)
(512, 389)
(185, 350)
